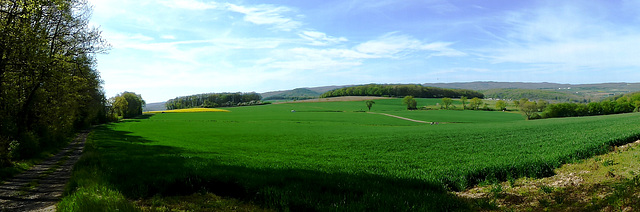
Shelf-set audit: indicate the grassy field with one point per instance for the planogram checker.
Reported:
(333, 156)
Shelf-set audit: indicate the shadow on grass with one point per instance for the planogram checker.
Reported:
(139, 170)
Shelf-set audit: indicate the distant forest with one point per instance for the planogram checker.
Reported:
(295, 94)
(212, 100)
(418, 91)
(533, 94)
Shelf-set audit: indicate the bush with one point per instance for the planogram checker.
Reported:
(26, 147)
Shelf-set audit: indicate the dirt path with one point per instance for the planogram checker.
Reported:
(41, 187)
(403, 118)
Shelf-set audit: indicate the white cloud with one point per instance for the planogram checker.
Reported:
(168, 37)
(320, 38)
(265, 14)
(571, 38)
(392, 46)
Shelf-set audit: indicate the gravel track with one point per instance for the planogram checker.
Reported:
(41, 187)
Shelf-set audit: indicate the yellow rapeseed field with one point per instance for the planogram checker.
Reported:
(190, 110)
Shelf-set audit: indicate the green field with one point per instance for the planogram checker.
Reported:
(331, 156)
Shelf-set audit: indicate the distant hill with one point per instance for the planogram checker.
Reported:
(486, 85)
(532, 94)
(305, 93)
(295, 94)
(495, 85)
(154, 107)
(593, 92)
(557, 91)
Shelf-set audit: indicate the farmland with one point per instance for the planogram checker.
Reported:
(334, 156)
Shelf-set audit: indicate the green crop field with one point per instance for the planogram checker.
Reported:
(332, 156)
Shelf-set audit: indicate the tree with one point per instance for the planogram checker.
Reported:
(501, 105)
(542, 105)
(528, 109)
(128, 104)
(475, 103)
(516, 103)
(48, 83)
(369, 104)
(447, 102)
(410, 102)
(463, 99)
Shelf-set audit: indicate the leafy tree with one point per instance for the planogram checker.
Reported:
(129, 104)
(447, 102)
(410, 102)
(369, 103)
(501, 105)
(542, 104)
(48, 83)
(475, 103)
(516, 103)
(463, 99)
(528, 109)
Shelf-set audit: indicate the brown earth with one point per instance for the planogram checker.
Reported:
(609, 182)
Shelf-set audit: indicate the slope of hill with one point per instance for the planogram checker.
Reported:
(295, 94)
(154, 107)
(593, 92)
(532, 94)
(311, 92)
(494, 85)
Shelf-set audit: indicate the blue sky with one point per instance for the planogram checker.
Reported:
(162, 49)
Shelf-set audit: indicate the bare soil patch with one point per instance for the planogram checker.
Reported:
(41, 187)
(608, 182)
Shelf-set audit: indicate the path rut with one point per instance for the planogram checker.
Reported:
(403, 118)
(41, 187)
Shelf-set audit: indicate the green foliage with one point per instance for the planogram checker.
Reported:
(501, 105)
(410, 102)
(96, 198)
(621, 105)
(212, 100)
(417, 91)
(463, 100)
(128, 104)
(295, 94)
(313, 160)
(528, 108)
(48, 83)
(446, 102)
(475, 103)
(369, 103)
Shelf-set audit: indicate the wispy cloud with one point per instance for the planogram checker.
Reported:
(393, 45)
(570, 37)
(266, 14)
(320, 39)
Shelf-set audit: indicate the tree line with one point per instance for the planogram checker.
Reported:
(621, 104)
(417, 91)
(49, 87)
(212, 100)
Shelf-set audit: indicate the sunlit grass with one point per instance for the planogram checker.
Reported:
(332, 156)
